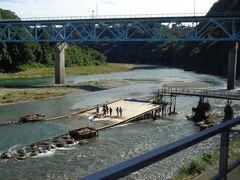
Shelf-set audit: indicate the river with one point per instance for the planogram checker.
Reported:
(113, 145)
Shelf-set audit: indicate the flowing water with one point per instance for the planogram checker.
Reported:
(113, 145)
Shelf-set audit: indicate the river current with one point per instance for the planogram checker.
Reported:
(113, 145)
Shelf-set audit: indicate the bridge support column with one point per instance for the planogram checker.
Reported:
(60, 62)
(232, 65)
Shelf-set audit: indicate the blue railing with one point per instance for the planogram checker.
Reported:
(125, 16)
(132, 165)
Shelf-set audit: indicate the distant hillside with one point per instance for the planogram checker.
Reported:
(18, 56)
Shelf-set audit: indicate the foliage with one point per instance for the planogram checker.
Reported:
(21, 56)
(76, 56)
(6, 14)
(196, 166)
(207, 157)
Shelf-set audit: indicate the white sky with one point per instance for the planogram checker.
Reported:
(55, 8)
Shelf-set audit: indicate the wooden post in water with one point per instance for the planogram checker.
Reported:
(159, 112)
(170, 107)
(174, 107)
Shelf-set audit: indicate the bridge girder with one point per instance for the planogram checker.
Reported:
(110, 30)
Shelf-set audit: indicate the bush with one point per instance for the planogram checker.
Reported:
(207, 157)
(194, 167)
(76, 56)
(29, 66)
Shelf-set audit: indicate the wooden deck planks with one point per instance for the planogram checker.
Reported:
(130, 110)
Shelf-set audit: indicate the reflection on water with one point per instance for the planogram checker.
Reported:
(113, 145)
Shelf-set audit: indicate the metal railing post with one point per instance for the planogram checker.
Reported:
(223, 162)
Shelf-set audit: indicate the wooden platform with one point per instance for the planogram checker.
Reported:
(131, 109)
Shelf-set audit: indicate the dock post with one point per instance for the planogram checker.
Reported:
(155, 114)
(60, 62)
(148, 116)
(232, 65)
(175, 103)
(171, 103)
(159, 112)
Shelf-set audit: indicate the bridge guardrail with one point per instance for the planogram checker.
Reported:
(125, 16)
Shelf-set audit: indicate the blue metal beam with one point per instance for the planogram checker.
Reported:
(122, 29)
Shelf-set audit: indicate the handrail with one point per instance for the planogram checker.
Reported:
(132, 165)
(126, 16)
(198, 92)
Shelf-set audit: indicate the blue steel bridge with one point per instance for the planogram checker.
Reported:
(122, 28)
(160, 28)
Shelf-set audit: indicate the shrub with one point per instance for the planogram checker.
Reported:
(207, 157)
(195, 166)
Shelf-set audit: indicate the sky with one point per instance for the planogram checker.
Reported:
(60, 8)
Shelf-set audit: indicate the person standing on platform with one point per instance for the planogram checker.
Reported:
(104, 110)
(117, 111)
(120, 111)
(97, 109)
(110, 111)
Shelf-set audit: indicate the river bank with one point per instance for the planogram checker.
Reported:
(78, 70)
(25, 94)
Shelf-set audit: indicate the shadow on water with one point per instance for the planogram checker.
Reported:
(91, 88)
(146, 67)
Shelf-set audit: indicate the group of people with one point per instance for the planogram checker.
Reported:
(108, 110)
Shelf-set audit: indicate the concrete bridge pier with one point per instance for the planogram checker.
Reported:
(60, 62)
(232, 65)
